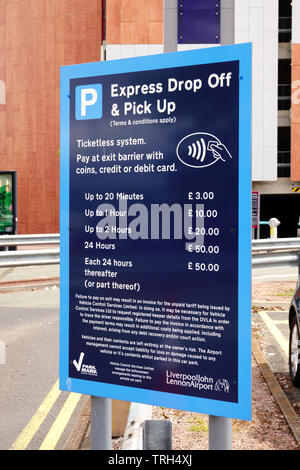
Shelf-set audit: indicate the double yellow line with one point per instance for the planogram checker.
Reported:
(275, 331)
(57, 428)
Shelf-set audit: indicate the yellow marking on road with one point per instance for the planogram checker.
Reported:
(60, 423)
(283, 343)
(280, 322)
(36, 421)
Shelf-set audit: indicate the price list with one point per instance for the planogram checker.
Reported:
(153, 233)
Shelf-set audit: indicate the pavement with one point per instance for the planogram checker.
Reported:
(35, 277)
(29, 275)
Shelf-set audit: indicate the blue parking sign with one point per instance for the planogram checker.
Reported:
(156, 230)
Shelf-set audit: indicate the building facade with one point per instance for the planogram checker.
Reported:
(37, 37)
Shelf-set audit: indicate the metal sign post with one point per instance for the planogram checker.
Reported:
(101, 427)
(220, 433)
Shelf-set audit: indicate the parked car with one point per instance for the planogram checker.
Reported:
(294, 341)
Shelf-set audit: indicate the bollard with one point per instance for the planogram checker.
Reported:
(273, 223)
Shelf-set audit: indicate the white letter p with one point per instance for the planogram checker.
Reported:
(89, 97)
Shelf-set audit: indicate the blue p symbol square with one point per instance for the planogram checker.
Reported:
(88, 102)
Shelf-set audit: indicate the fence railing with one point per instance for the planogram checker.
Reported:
(273, 260)
(265, 253)
(275, 252)
(9, 259)
(21, 240)
(29, 257)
